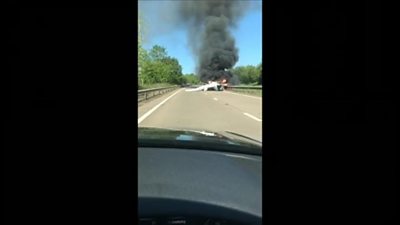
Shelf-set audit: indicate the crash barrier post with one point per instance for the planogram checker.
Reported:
(150, 93)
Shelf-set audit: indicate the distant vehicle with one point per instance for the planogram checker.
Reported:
(211, 86)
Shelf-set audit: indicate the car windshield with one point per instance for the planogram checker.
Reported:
(199, 74)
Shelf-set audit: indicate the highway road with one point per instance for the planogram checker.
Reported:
(208, 111)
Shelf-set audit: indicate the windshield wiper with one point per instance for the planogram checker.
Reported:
(243, 136)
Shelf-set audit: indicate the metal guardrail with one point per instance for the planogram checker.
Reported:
(150, 93)
(245, 87)
(250, 90)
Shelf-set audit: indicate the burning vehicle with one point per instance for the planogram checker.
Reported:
(212, 86)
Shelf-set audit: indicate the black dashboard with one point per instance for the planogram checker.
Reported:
(170, 220)
(188, 186)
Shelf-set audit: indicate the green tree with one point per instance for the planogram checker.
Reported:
(192, 79)
(249, 75)
(161, 68)
(158, 53)
(172, 70)
(142, 53)
(155, 66)
(259, 68)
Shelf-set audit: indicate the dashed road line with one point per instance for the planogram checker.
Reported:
(253, 117)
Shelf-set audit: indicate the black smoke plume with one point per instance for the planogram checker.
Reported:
(210, 39)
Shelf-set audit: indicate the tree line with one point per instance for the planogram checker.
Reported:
(155, 67)
(248, 75)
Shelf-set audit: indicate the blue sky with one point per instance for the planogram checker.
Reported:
(159, 29)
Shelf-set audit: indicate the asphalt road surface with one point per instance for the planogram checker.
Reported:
(204, 111)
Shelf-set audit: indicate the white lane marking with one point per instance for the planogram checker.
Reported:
(216, 99)
(231, 92)
(253, 117)
(156, 107)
